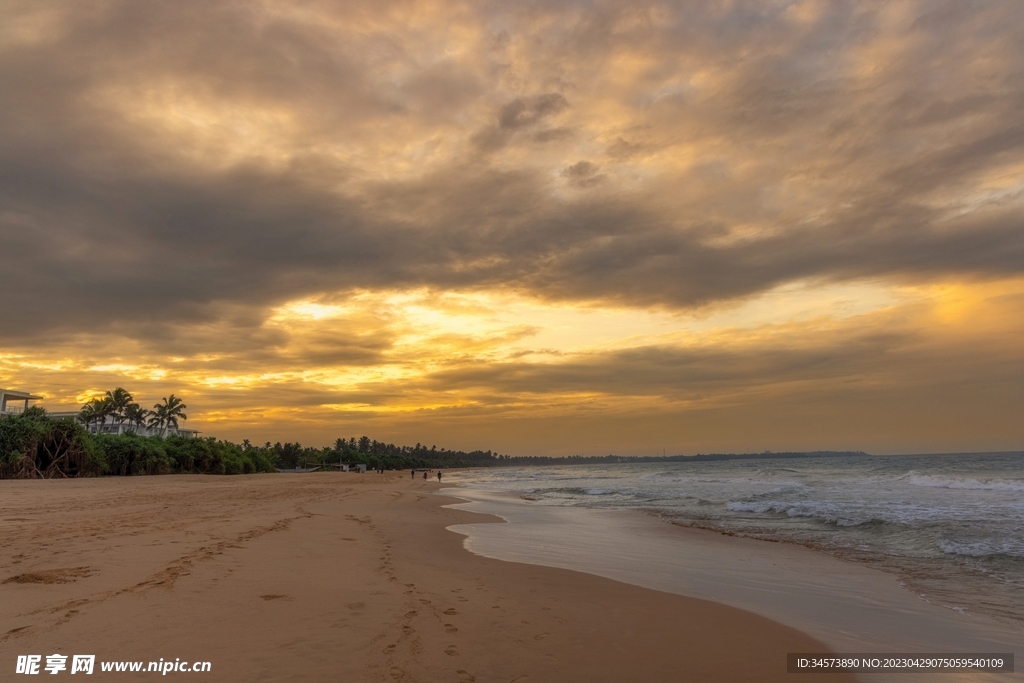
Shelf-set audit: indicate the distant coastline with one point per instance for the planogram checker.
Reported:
(700, 457)
(36, 444)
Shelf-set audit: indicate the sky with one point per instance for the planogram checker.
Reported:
(540, 228)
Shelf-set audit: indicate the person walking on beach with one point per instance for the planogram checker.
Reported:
(412, 473)
(439, 476)
(424, 474)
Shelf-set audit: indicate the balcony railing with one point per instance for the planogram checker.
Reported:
(12, 410)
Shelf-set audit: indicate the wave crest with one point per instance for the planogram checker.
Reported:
(988, 548)
(825, 514)
(968, 483)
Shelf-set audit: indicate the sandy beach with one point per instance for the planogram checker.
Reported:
(334, 577)
(849, 606)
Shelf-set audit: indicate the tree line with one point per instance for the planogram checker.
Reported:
(374, 454)
(34, 444)
(121, 408)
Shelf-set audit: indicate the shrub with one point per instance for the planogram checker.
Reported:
(33, 445)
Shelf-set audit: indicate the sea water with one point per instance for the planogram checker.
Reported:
(951, 526)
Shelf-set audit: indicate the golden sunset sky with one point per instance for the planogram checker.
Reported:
(542, 228)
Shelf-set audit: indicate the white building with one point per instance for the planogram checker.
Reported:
(17, 402)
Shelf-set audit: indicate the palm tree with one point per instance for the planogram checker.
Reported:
(166, 414)
(135, 414)
(119, 399)
(97, 410)
(88, 414)
(156, 419)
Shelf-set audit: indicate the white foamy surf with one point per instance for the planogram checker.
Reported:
(951, 526)
(848, 606)
(947, 531)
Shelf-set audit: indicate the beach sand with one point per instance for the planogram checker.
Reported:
(335, 577)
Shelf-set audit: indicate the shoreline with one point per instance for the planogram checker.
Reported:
(340, 576)
(948, 529)
(851, 606)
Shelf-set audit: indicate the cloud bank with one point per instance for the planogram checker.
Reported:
(174, 176)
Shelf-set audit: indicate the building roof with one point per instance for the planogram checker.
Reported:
(20, 395)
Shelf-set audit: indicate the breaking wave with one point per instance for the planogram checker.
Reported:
(981, 548)
(822, 513)
(966, 483)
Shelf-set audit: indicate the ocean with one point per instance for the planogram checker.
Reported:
(950, 526)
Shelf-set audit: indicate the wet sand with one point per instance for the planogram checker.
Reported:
(849, 606)
(335, 576)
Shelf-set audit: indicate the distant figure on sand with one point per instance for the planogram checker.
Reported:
(439, 476)
(412, 473)
(424, 474)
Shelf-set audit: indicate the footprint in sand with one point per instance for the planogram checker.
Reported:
(397, 673)
(462, 599)
(275, 596)
(466, 676)
(450, 611)
(541, 636)
(408, 630)
(52, 576)
(451, 651)
(450, 628)
(410, 615)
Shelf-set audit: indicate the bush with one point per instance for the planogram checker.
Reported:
(33, 445)
(128, 454)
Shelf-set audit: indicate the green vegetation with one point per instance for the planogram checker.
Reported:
(120, 407)
(34, 445)
(374, 454)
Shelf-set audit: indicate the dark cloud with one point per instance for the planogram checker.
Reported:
(583, 174)
(528, 111)
(159, 162)
(681, 373)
